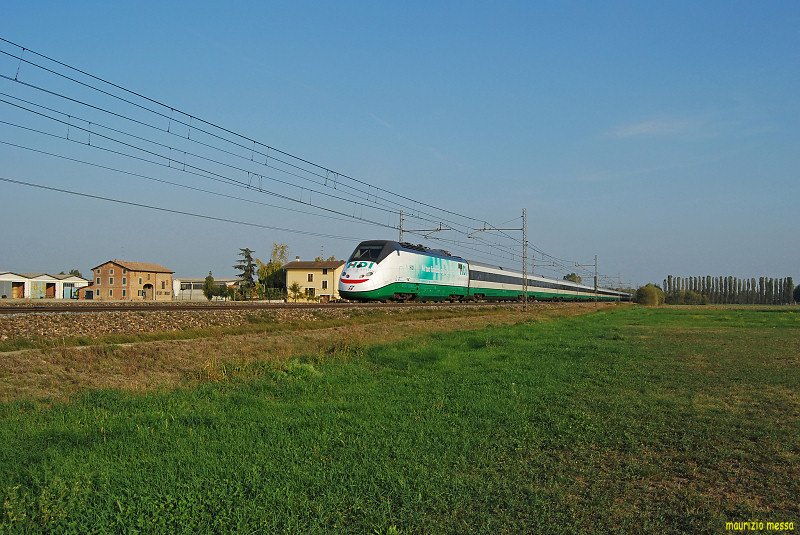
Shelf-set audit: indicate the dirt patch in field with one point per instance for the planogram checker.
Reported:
(56, 373)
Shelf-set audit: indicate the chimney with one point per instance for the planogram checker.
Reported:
(296, 258)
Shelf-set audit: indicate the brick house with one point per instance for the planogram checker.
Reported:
(121, 280)
(318, 280)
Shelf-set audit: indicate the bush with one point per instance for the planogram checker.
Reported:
(650, 295)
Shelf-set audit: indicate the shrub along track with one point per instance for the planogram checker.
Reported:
(164, 360)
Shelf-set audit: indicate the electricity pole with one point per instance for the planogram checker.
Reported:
(596, 299)
(524, 259)
(402, 219)
(524, 230)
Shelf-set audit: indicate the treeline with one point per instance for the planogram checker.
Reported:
(728, 290)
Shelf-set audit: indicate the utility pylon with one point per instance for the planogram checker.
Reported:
(524, 259)
(596, 298)
(524, 230)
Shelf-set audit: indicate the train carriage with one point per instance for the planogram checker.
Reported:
(388, 270)
(381, 270)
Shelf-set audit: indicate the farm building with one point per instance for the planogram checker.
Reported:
(122, 280)
(39, 285)
(191, 288)
(318, 280)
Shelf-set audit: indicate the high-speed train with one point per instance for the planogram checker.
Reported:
(384, 270)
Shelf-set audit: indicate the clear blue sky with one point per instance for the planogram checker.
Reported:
(663, 137)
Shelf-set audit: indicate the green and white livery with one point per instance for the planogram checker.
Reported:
(388, 270)
(381, 270)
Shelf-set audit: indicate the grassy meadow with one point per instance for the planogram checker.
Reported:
(628, 419)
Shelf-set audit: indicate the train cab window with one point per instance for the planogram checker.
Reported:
(367, 252)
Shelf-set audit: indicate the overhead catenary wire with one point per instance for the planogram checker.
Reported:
(215, 177)
(171, 118)
(174, 115)
(173, 211)
(462, 245)
(364, 197)
(203, 121)
(169, 158)
(177, 184)
(197, 170)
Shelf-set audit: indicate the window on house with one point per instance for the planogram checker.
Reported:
(310, 277)
(324, 271)
(148, 276)
(163, 285)
(124, 271)
(111, 292)
(324, 285)
(140, 293)
(124, 281)
(97, 282)
(309, 292)
(111, 280)
(124, 292)
(110, 271)
(140, 280)
(97, 271)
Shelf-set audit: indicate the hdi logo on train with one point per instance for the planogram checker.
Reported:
(360, 264)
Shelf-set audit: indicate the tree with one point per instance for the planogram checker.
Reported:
(650, 295)
(247, 267)
(209, 287)
(573, 277)
(75, 273)
(295, 291)
(270, 274)
(796, 294)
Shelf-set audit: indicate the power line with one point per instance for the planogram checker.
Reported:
(365, 197)
(193, 117)
(338, 179)
(169, 158)
(189, 125)
(168, 182)
(173, 211)
(177, 150)
(227, 180)
(199, 172)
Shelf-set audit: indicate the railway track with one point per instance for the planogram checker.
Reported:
(88, 309)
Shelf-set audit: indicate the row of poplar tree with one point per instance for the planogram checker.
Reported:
(728, 290)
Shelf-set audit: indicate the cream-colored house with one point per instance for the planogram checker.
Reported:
(318, 280)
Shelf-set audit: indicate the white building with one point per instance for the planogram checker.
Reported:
(39, 285)
(191, 288)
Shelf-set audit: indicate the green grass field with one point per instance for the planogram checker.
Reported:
(627, 420)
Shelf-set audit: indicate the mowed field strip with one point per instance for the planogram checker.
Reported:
(49, 356)
(565, 420)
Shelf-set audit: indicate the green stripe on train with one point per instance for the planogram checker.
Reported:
(442, 292)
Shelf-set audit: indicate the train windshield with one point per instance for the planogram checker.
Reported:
(367, 252)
